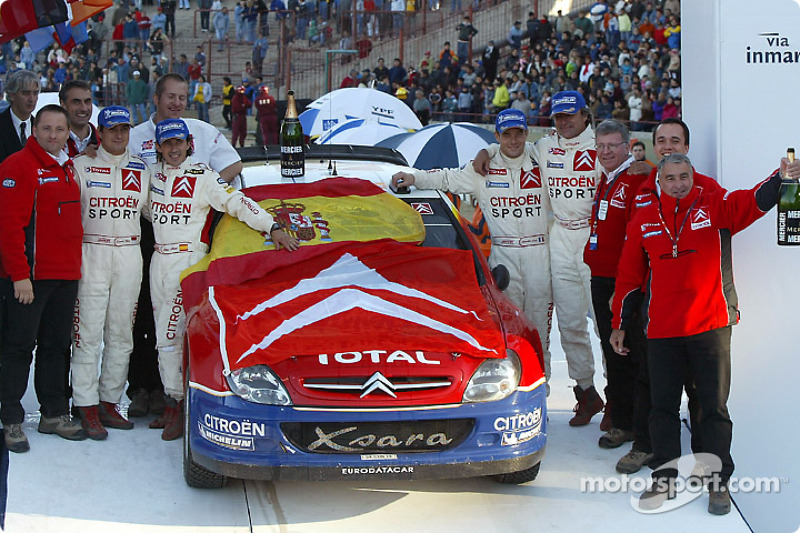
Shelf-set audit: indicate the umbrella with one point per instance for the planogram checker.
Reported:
(442, 145)
(360, 131)
(337, 106)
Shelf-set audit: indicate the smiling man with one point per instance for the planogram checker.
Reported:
(211, 148)
(681, 245)
(181, 185)
(515, 204)
(567, 157)
(611, 211)
(39, 211)
(75, 97)
(114, 189)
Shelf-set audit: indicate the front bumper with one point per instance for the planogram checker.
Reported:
(244, 440)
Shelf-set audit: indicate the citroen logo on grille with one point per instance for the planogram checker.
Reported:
(378, 381)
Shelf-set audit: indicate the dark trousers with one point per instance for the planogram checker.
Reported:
(169, 26)
(226, 114)
(44, 324)
(621, 370)
(707, 356)
(143, 369)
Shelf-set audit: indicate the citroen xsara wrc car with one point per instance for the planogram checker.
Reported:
(382, 348)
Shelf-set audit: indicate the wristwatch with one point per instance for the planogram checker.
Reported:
(275, 227)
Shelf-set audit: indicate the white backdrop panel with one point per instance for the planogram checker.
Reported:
(740, 103)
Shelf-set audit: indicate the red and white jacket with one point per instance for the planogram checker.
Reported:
(690, 289)
(40, 217)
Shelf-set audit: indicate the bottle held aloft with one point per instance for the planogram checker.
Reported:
(789, 209)
(293, 157)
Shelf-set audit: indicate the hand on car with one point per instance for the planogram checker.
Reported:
(402, 179)
(284, 240)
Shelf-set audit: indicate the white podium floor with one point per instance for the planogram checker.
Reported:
(133, 482)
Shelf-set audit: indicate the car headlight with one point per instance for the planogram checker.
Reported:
(494, 380)
(258, 384)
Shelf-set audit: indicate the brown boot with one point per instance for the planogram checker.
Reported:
(110, 417)
(159, 422)
(173, 418)
(90, 422)
(589, 404)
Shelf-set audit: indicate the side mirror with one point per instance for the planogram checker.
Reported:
(501, 276)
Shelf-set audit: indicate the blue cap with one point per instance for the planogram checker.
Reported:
(510, 118)
(171, 128)
(114, 115)
(569, 102)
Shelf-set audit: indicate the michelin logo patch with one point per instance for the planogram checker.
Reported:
(497, 185)
(53, 179)
(101, 184)
(8, 183)
(551, 164)
(652, 234)
(136, 165)
(156, 190)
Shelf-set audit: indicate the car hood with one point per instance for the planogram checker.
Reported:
(357, 296)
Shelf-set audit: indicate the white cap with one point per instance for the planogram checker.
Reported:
(137, 73)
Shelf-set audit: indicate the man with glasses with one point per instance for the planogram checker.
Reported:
(680, 243)
(612, 208)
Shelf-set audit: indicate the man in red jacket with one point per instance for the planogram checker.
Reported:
(670, 136)
(681, 241)
(612, 208)
(40, 249)
(240, 104)
(267, 116)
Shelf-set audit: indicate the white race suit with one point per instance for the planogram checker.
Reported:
(568, 170)
(114, 190)
(515, 205)
(180, 200)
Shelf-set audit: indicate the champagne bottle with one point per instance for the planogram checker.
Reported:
(293, 157)
(789, 209)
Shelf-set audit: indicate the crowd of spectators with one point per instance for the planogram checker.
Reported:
(624, 56)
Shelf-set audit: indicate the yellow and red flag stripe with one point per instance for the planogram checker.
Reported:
(321, 215)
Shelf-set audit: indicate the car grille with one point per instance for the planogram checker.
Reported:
(396, 437)
(377, 383)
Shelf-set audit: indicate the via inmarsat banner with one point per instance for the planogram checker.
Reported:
(741, 100)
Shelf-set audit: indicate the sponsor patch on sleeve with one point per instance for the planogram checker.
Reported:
(101, 184)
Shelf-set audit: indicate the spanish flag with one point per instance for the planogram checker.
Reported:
(323, 215)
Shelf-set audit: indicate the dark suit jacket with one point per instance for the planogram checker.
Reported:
(9, 138)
